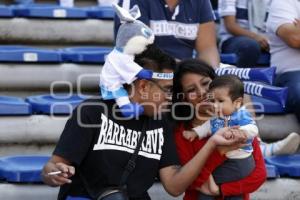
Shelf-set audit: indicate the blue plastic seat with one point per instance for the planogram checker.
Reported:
(10, 53)
(85, 54)
(266, 106)
(231, 58)
(23, 1)
(14, 106)
(22, 169)
(271, 171)
(49, 11)
(61, 104)
(287, 165)
(6, 11)
(100, 12)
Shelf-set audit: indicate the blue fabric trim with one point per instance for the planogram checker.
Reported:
(106, 94)
(120, 49)
(272, 148)
(242, 13)
(241, 117)
(263, 147)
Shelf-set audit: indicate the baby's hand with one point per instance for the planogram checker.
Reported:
(228, 135)
(189, 135)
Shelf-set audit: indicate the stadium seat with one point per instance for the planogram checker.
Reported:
(23, 1)
(287, 165)
(22, 169)
(231, 58)
(274, 93)
(11, 53)
(6, 11)
(266, 106)
(271, 171)
(100, 12)
(13, 106)
(85, 54)
(264, 75)
(49, 11)
(60, 104)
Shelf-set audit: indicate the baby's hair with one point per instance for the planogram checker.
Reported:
(232, 82)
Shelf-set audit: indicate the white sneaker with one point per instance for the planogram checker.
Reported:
(286, 146)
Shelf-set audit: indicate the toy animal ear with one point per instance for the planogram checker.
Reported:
(135, 12)
(127, 16)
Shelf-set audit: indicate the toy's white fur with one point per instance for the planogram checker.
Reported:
(137, 45)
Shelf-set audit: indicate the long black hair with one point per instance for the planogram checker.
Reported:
(196, 66)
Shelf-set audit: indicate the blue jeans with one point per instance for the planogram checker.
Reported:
(231, 170)
(76, 198)
(292, 81)
(247, 50)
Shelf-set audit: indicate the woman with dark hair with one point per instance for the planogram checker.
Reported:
(192, 108)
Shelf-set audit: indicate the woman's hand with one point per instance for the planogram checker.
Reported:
(220, 138)
(213, 187)
(210, 187)
(57, 174)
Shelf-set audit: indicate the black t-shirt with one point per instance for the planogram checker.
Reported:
(99, 143)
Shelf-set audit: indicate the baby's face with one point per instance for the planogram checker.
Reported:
(223, 104)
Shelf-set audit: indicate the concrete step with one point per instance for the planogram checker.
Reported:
(277, 189)
(47, 76)
(56, 32)
(39, 129)
(44, 129)
(13, 149)
(275, 127)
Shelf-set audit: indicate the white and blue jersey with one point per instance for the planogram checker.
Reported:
(175, 31)
(240, 118)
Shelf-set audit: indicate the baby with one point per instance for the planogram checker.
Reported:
(226, 93)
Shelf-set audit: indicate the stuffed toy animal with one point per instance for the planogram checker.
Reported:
(119, 68)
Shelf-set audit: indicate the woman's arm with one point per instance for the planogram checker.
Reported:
(215, 160)
(176, 179)
(186, 151)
